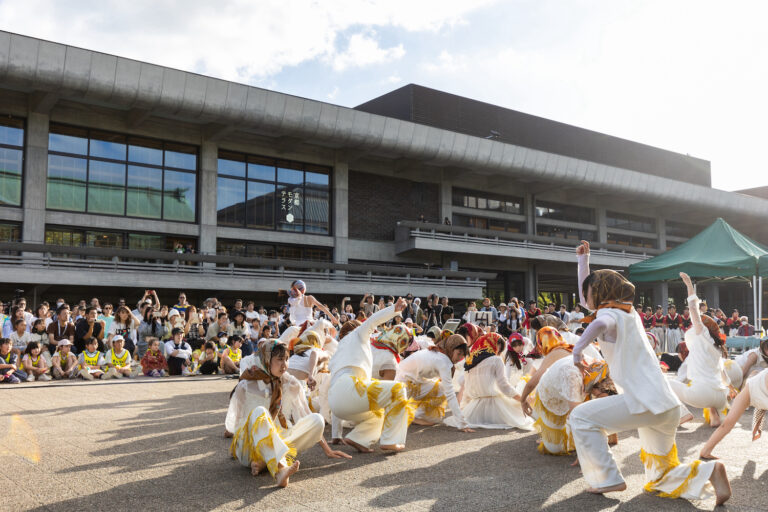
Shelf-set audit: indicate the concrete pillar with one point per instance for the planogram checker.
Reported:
(661, 296)
(529, 209)
(531, 283)
(446, 200)
(715, 294)
(35, 177)
(602, 225)
(340, 197)
(661, 229)
(209, 165)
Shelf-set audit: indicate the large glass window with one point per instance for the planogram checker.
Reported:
(265, 193)
(632, 241)
(58, 235)
(565, 212)
(472, 221)
(10, 232)
(114, 174)
(11, 160)
(682, 229)
(287, 253)
(631, 222)
(487, 201)
(568, 233)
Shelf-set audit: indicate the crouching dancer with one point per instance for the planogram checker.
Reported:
(647, 403)
(380, 409)
(261, 436)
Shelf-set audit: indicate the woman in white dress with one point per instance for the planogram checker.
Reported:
(754, 394)
(488, 400)
(707, 386)
(428, 376)
(574, 321)
(262, 438)
(301, 305)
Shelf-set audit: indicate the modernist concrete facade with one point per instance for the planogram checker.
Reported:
(381, 174)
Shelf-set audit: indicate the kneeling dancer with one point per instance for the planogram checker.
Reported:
(380, 410)
(647, 403)
(261, 437)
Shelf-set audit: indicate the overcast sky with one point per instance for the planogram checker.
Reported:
(688, 76)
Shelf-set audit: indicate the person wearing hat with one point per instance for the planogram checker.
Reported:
(64, 362)
(178, 352)
(411, 325)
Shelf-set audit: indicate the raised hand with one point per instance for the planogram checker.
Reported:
(583, 248)
(400, 305)
(688, 284)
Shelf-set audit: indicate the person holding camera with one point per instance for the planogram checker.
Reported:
(367, 305)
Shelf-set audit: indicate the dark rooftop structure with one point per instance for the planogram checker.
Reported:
(464, 115)
(761, 192)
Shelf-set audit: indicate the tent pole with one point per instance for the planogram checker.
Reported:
(759, 324)
(754, 299)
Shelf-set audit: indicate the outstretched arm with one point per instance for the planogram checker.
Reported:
(738, 407)
(380, 317)
(693, 304)
(582, 253)
(314, 302)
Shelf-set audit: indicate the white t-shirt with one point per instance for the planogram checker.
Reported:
(250, 315)
(20, 342)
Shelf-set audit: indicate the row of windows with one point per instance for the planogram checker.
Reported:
(471, 221)
(632, 241)
(257, 192)
(487, 201)
(631, 222)
(55, 235)
(682, 229)
(11, 160)
(565, 212)
(567, 233)
(105, 173)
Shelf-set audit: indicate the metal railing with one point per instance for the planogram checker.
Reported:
(47, 261)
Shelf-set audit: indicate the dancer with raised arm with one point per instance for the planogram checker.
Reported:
(708, 383)
(646, 404)
(380, 409)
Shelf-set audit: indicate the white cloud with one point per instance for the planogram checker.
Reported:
(332, 95)
(363, 50)
(447, 63)
(243, 40)
(393, 79)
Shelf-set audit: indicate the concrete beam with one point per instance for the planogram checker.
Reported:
(214, 132)
(136, 117)
(41, 102)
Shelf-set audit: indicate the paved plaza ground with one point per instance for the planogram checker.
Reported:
(158, 445)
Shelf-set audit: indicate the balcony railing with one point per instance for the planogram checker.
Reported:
(457, 234)
(40, 256)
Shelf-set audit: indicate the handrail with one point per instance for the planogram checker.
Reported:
(134, 254)
(47, 261)
(520, 237)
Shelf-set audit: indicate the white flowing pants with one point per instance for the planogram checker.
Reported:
(380, 409)
(701, 396)
(260, 440)
(734, 372)
(591, 423)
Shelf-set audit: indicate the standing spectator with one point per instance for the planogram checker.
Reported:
(410, 308)
(89, 327)
(433, 313)
(178, 353)
(250, 311)
(194, 332)
(514, 323)
(503, 324)
(28, 317)
(488, 306)
(367, 306)
(446, 312)
(419, 318)
(733, 323)
(745, 329)
(61, 328)
(64, 362)
(575, 318)
(182, 305)
(471, 308)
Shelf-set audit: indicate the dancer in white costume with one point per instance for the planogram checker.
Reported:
(261, 436)
(753, 361)
(646, 404)
(755, 394)
(488, 400)
(301, 305)
(707, 386)
(380, 409)
(428, 377)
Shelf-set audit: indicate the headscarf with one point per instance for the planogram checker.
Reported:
(260, 371)
(451, 343)
(682, 349)
(653, 340)
(486, 346)
(548, 339)
(436, 332)
(299, 285)
(547, 320)
(473, 332)
(610, 290)
(395, 339)
(307, 341)
(444, 335)
(596, 372)
(519, 358)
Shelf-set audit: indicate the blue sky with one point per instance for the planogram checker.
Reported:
(688, 76)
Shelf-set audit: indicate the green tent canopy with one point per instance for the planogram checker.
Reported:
(718, 251)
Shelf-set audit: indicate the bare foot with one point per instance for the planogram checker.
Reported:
(284, 473)
(721, 484)
(688, 417)
(575, 463)
(707, 456)
(337, 440)
(257, 467)
(357, 446)
(613, 488)
(425, 423)
(228, 434)
(714, 418)
(393, 447)
(613, 439)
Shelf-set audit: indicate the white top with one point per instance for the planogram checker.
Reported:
(250, 394)
(299, 312)
(561, 384)
(428, 365)
(704, 362)
(758, 390)
(185, 351)
(742, 358)
(301, 362)
(290, 333)
(383, 359)
(355, 349)
(486, 380)
(250, 315)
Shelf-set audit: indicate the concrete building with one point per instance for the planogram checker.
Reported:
(109, 165)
